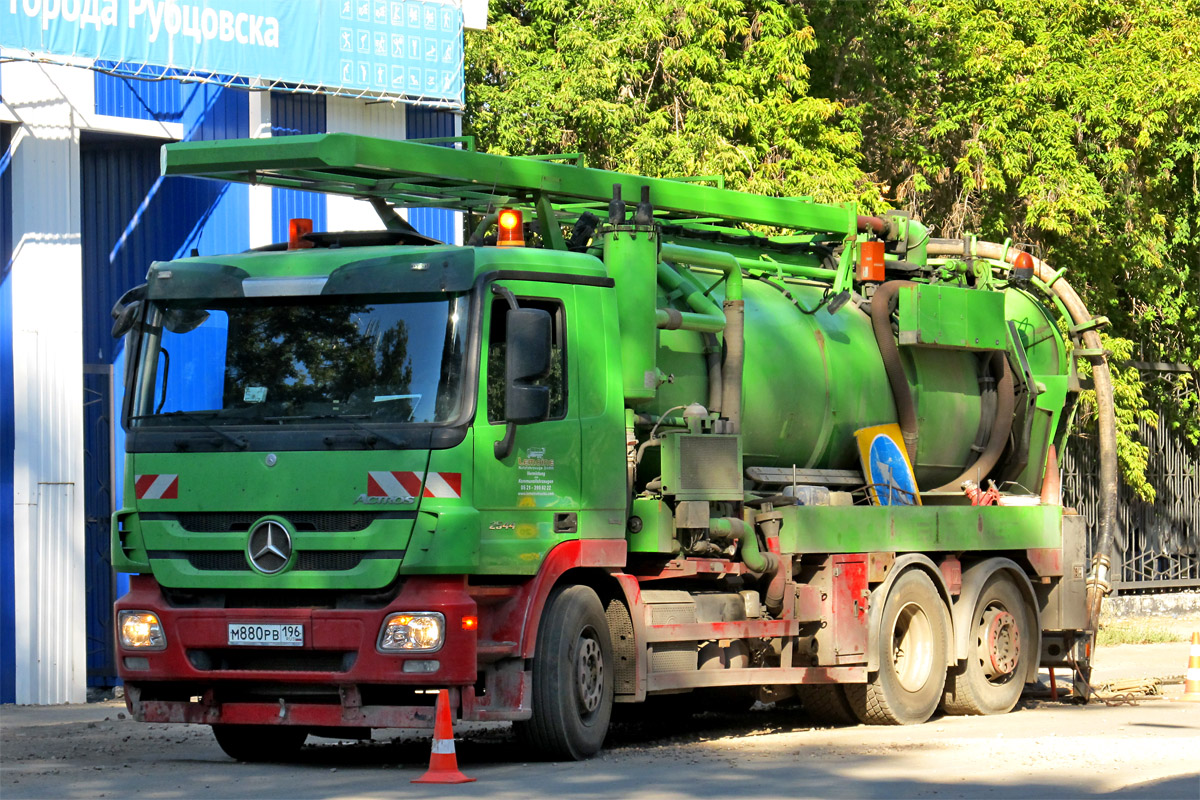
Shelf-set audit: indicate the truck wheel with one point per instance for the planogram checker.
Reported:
(991, 679)
(572, 677)
(826, 704)
(912, 639)
(260, 743)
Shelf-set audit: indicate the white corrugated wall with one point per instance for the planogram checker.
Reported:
(381, 120)
(48, 382)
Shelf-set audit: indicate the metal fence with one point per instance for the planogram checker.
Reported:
(1157, 545)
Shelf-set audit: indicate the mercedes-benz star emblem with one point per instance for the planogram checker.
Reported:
(269, 547)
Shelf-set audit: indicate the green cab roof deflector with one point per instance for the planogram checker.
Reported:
(415, 174)
(414, 270)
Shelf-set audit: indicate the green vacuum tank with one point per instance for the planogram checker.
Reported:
(812, 379)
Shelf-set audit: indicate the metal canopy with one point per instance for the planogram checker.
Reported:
(408, 174)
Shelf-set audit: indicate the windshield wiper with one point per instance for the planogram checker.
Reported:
(369, 439)
(237, 441)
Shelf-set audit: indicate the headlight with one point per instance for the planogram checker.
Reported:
(142, 630)
(417, 632)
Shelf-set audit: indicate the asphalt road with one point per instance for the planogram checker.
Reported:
(1147, 750)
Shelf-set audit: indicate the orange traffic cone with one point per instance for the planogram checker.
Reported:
(443, 764)
(1191, 684)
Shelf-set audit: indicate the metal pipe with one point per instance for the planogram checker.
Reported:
(737, 530)
(485, 224)
(716, 259)
(1098, 584)
(881, 323)
(791, 270)
(670, 319)
(650, 420)
(673, 281)
(876, 225)
(710, 317)
(734, 307)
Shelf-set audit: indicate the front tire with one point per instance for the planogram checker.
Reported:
(1002, 643)
(912, 642)
(826, 704)
(260, 743)
(572, 677)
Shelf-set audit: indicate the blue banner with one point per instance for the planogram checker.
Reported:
(400, 49)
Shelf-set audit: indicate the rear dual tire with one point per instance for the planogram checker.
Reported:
(991, 679)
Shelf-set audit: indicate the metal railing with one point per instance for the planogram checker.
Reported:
(1157, 543)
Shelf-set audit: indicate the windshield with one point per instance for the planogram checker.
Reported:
(293, 360)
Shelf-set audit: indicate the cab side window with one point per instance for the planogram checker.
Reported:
(556, 379)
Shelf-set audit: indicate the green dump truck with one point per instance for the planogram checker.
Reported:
(634, 439)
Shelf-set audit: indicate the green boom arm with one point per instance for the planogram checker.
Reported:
(421, 174)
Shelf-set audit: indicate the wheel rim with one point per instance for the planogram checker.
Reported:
(999, 644)
(589, 672)
(912, 647)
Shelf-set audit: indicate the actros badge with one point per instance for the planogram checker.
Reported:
(370, 500)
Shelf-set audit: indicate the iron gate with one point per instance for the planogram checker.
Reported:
(1157, 545)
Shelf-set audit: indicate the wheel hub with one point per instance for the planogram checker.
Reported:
(1001, 644)
(912, 647)
(590, 674)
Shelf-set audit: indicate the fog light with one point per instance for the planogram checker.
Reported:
(141, 630)
(420, 632)
(421, 665)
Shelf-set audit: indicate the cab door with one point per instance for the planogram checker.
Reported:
(529, 500)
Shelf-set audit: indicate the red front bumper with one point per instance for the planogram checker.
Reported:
(337, 678)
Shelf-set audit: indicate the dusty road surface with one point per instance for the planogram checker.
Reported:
(1147, 750)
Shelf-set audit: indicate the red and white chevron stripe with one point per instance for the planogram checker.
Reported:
(414, 484)
(156, 487)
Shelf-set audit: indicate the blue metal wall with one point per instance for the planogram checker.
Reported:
(8, 619)
(426, 123)
(131, 216)
(292, 115)
(139, 99)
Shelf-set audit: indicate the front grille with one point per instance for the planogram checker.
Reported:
(264, 660)
(327, 560)
(220, 561)
(240, 521)
(306, 560)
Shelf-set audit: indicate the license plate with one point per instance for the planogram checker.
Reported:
(266, 635)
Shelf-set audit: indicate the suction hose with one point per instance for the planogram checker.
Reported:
(1006, 405)
(1097, 584)
(881, 323)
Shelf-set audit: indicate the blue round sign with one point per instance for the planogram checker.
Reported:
(890, 473)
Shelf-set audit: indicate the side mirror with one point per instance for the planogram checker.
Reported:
(527, 358)
(125, 311)
(528, 335)
(184, 320)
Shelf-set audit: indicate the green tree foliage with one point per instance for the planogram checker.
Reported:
(714, 87)
(1069, 125)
